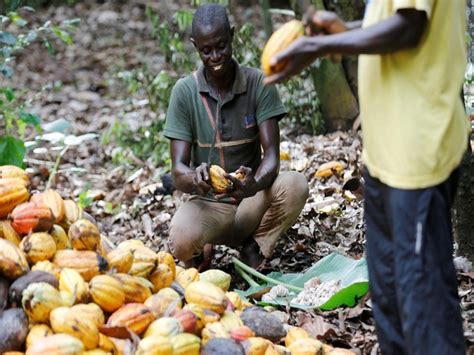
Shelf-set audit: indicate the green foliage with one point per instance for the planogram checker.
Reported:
(14, 115)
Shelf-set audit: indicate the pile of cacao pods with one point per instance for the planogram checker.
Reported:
(63, 290)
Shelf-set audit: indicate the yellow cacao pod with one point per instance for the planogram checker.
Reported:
(144, 261)
(84, 235)
(186, 344)
(53, 200)
(234, 299)
(164, 257)
(39, 299)
(72, 212)
(328, 169)
(68, 321)
(47, 266)
(273, 349)
(164, 327)
(134, 288)
(230, 321)
(164, 303)
(85, 262)
(187, 276)
(131, 244)
(278, 41)
(13, 172)
(212, 331)
(217, 277)
(57, 344)
(256, 345)
(72, 287)
(7, 232)
(107, 292)
(12, 193)
(13, 263)
(161, 277)
(135, 316)
(295, 333)
(38, 246)
(305, 346)
(120, 260)
(206, 295)
(210, 316)
(179, 270)
(154, 345)
(91, 311)
(219, 182)
(37, 332)
(105, 343)
(60, 237)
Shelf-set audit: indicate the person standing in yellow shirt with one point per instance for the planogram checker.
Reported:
(415, 131)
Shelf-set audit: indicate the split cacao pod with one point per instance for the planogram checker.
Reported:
(305, 346)
(53, 200)
(39, 299)
(68, 321)
(134, 289)
(31, 217)
(212, 331)
(134, 316)
(161, 277)
(154, 345)
(72, 287)
(187, 276)
(219, 182)
(164, 257)
(217, 277)
(12, 193)
(13, 330)
(120, 260)
(15, 292)
(165, 327)
(84, 235)
(206, 295)
(38, 246)
(58, 344)
(107, 292)
(13, 263)
(13, 172)
(7, 232)
(37, 332)
(60, 237)
(294, 334)
(186, 344)
(278, 41)
(91, 311)
(87, 263)
(164, 303)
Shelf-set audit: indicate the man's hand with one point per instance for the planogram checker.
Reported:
(322, 21)
(201, 180)
(242, 188)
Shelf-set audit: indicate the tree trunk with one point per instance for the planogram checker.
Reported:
(339, 106)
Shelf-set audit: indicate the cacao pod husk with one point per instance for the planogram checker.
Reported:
(87, 263)
(38, 246)
(120, 260)
(7, 232)
(53, 200)
(165, 327)
(161, 277)
(39, 299)
(154, 345)
(13, 192)
(107, 292)
(84, 235)
(72, 287)
(134, 288)
(15, 292)
(37, 331)
(57, 344)
(217, 277)
(31, 217)
(13, 263)
(134, 316)
(13, 330)
(206, 295)
(186, 344)
(219, 182)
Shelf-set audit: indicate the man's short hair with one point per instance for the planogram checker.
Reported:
(208, 15)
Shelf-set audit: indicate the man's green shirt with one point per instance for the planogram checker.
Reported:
(193, 105)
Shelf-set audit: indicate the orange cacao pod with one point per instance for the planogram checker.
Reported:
(12, 193)
(31, 217)
(107, 292)
(187, 319)
(161, 277)
(135, 316)
(120, 260)
(38, 247)
(219, 182)
(198, 313)
(278, 41)
(85, 262)
(241, 333)
(53, 200)
(134, 288)
(7, 232)
(84, 235)
(206, 295)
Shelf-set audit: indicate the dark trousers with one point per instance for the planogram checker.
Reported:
(412, 277)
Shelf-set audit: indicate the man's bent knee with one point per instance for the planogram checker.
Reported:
(295, 186)
(183, 243)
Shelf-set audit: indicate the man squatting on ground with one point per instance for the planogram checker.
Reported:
(259, 209)
(415, 133)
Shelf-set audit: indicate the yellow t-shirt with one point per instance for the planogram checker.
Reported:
(415, 129)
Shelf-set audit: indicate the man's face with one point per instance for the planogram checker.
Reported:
(214, 44)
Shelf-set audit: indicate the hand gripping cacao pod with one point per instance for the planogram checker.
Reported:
(53, 200)
(161, 277)
(38, 247)
(68, 321)
(91, 311)
(39, 299)
(213, 331)
(217, 277)
(87, 263)
(120, 260)
(12, 193)
(84, 235)
(60, 237)
(187, 276)
(156, 345)
(230, 321)
(135, 316)
(186, 344)
(37, 332)
(164, 303)
(13, 172)
(31, 217)
(60, 344)
(47, 266)
(72, 287)
(7, 232)
(144, 261)
(305, 346)
(278, 41)
(219, 182)
(107, 292)
(206, 295)
(13, 263)
(165, 327)
(295, 333)
(134, 289)
(164, 257)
